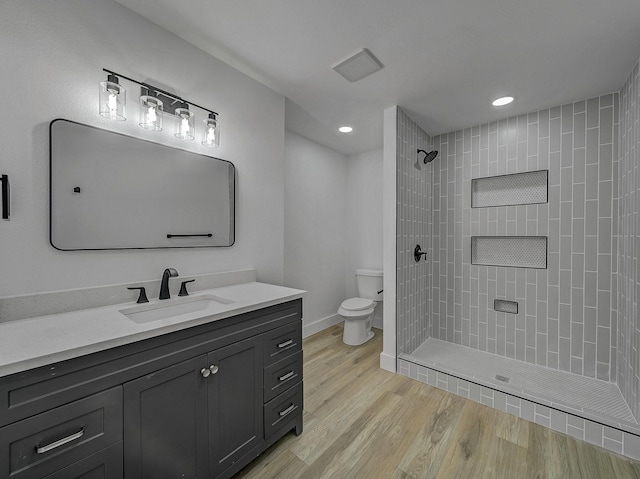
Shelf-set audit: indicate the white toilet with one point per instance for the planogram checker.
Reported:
(358, 312)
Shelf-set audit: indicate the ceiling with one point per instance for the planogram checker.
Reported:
(444, 60)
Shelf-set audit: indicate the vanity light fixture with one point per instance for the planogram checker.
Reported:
(186, 124)
(151, 109)
(154, 102)
(112, 98)
(502, 101)
(345, 129)
(211, 133)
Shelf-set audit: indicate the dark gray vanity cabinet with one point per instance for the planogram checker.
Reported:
(202, 402)
(165, 423)
(235, 402)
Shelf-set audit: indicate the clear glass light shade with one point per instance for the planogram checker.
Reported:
(112, 100)
(185, 124)
(151, 110)
(211, 133)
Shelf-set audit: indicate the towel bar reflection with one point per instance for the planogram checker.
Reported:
(6, 211)
(207, 235)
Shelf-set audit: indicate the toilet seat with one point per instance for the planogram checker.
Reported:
(356, 304)
(356, 308)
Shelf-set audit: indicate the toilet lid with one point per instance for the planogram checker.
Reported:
(356, 304)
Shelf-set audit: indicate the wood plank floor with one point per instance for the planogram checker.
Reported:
(363, 422)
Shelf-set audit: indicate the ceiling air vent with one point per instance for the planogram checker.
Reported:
(360, 65)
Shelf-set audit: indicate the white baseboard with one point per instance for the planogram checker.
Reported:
(320, 325)
(388, 362)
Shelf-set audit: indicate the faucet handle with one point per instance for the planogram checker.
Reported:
(142, 297)
(183, 288)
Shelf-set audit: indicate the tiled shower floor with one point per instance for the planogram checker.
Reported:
(590, 398)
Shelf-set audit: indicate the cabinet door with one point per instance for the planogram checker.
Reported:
(165, 423)
(235, 402)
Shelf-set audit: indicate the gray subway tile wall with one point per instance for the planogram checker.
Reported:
(413, 227)
(567, 317)
(628, 245)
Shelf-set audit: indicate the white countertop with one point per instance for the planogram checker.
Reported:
(33, 342)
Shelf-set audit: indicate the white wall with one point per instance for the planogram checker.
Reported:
(364, 215)
(315, 228)
(333, 225)
(52, 55)
(364, 220)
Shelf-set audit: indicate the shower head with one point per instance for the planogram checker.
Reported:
(428, 156)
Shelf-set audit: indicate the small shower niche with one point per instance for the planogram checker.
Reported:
(527, 188)
(514, 251)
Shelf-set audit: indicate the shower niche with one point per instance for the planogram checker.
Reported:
(528, 188)
(509, 251)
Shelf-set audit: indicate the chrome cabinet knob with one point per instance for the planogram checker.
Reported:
(206, 372)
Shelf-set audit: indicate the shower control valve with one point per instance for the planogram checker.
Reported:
(418, 253)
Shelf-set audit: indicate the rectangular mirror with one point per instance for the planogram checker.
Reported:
(112, 191)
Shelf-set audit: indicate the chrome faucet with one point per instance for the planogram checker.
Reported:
(164, 285)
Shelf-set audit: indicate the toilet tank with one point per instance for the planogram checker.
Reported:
(369, 283)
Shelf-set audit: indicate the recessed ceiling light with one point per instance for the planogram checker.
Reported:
(505, 100)
(345, 129)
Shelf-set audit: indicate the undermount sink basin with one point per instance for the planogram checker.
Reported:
(172, 308)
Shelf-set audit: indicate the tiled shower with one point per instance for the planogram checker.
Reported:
(577, 317)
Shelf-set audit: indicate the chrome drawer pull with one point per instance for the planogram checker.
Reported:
(60, 442)
(287, 411)
(286, 376)
(286, 343)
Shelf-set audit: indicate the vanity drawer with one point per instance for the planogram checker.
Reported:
(282, 342)
(105, 464)
(281, 410)
(282, 375)
(48, 442)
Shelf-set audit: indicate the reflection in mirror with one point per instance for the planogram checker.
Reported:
(112, 191)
